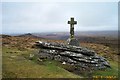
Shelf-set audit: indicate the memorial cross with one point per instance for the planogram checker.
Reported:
(72, 23)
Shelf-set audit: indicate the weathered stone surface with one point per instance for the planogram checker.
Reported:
(62, 47)
(73, 42)
(73, 55)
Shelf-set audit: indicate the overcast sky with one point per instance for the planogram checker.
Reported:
(24, 17)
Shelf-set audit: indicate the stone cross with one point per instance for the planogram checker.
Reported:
(72, 23)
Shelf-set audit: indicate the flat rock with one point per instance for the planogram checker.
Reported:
(72, 55)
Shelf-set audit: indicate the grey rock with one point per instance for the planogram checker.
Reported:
(72, 55)
(73, 42)
(62, 47)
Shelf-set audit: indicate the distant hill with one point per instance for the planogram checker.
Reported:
(98, 33)
(4, 36)
(65, 35)
(101, 37)
(28, 35)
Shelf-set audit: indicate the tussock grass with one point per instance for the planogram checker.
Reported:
(16, 64)
(110, 72)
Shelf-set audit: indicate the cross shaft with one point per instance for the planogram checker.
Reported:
(72, 23)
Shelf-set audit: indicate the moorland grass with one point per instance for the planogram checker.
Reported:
(16, 65)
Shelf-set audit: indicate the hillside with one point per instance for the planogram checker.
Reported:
(17, 63)
(65, 35)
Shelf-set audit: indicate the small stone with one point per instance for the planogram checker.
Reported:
(64, 63)
(39, 59)
(13, 56)
(31, 56)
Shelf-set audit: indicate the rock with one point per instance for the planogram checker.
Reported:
(62, 47)
(73, 42)
(31, 56)
(64, 63)
(73, 55)
(13, 56)
(39, 59)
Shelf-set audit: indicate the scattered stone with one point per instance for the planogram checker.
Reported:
(64, 63)
(39, 59)
(13, 56)
(31, 56)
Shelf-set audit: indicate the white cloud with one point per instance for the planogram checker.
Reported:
(53, 16)
(60, 0)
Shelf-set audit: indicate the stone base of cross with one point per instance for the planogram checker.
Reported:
(72, 40)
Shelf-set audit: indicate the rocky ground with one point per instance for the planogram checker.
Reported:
(72, 55)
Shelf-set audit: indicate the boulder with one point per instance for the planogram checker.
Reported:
(72, 55)
(73, 42)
